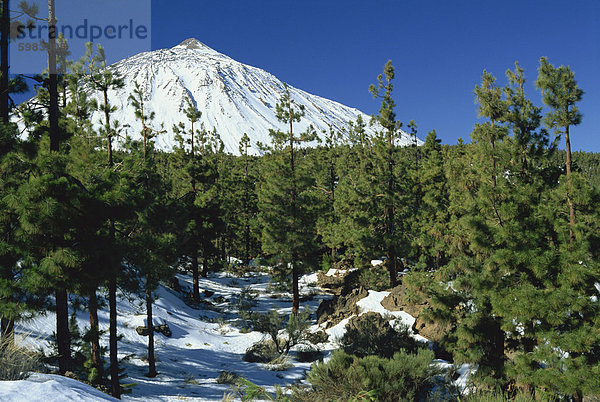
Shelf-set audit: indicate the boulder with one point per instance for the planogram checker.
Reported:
(162, 329)
(397, 300)
(317, 337)
(174, 284)
(262, 351)
(333, 283)
(335, 310)
(142, 331)
(434, 331)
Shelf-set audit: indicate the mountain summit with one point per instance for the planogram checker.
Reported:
(192, 43)
(234, 98)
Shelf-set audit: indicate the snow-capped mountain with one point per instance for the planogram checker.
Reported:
(234, 98)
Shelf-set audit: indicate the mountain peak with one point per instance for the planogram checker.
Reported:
(234, 98)
(192, 43)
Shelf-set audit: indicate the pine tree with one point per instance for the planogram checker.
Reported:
(561, 93)
(208, 199)
(480, 225)
(4, 67)
(285, 197)
(432, 218)
(391, 192)
(100, 78)
(10, 178)
(357, 196)
(326, 160)
(244, 213)
(12, 175)
(151, 241)
(188, 160)
(247, 204)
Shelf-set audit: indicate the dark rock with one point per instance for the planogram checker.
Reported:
(317, 337)
(263, 351)
(142, 331)
(163, 329)
(308, 354)
(334, 283)
(398, 300)
(335, 310)
(175, 285)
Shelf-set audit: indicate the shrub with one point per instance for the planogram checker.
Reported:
(281, 363)
(499, 396)
(308, 353)
(262, 351)
(373, 278)
(245, 300)
(228, 377)
(344, 377)
(16, 362)
(272, 322)
(371, 334)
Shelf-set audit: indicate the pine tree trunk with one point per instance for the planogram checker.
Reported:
(4, 68)
(195, 273)
(149, 324)
(115, 386)
(246, 212)
(107, 123)
(570, 187)
(7, 324)
(53, 80)
(391, 253)
(247, 242)
(498, 349)
(63, 335)
(295, 289)
(528, 347)
(205, 259)
(95, 333)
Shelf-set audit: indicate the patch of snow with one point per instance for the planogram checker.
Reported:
(307, 280)
(49, 388)
(336, 272)
(337, 331)
(372, 303)
(376, 262)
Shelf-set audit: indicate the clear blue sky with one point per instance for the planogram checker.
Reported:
(337, 48)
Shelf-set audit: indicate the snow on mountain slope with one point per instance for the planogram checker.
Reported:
(234, 98)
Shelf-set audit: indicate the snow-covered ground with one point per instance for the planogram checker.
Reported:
(49, 388)
(205, 341)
